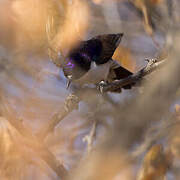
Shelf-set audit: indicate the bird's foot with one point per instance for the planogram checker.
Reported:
(151, 61)
(101, 86)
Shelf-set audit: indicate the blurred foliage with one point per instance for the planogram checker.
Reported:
(124, 57)
(155, 164)
(33, 32)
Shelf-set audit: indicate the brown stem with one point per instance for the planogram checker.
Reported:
(151, 66)
(71, 103)
(34, 143)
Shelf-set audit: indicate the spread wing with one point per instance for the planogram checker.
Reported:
(109, 44)
(99, 49)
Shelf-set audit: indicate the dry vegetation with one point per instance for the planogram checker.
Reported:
(48, 132)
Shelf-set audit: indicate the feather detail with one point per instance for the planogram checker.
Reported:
(99, 50)
(109, 44)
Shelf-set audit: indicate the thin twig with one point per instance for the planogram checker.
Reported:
(70, 104)
(32, 141)
(72, 100)
(151, 66)
(90, 137)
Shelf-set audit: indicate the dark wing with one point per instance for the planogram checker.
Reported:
(109, 44)
(99, 49)
(121, 73)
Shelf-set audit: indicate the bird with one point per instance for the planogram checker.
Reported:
(90, 62)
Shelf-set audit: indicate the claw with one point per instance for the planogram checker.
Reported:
(151, 61)
(147, 59)
(101, 86)
(68, 81)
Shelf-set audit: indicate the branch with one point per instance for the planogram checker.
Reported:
(89, 138)
(152, 65)
(73, 100)
(36, 145)
(70, 104)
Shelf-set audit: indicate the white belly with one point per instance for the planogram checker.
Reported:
(96, 74)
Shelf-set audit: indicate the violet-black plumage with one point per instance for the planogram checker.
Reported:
(91, 61)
